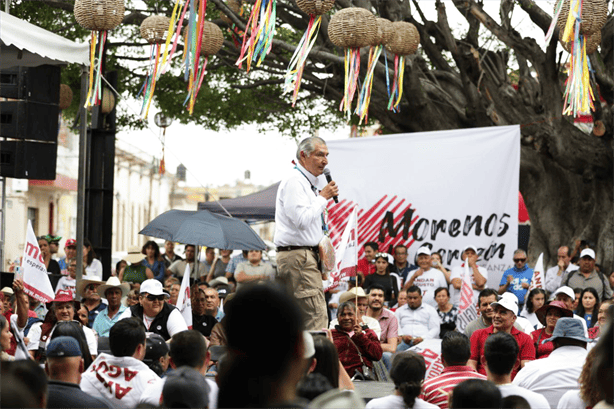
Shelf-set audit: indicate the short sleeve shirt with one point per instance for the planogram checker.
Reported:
(478, 339)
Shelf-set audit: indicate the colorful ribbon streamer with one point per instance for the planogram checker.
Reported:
(294, 74)
(578, 98)
(352, 70)
(362, 109)
(194, 71)
(94, 93)
(397, 86)
(261, 26)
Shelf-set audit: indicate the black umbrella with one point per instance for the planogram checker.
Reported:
(204, 228)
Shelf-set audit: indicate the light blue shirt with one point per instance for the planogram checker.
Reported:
(102, 323)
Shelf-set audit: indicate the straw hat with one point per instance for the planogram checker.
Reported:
(113, 282)
(352, 294)
(134, 255)
(80, 287)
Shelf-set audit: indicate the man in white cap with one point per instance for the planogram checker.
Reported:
(426, 278)
(587, 276)
(358, 296)
(158, 316)
(479, 275)
(559, 372)
(505, 312)
(567, 296)
(112, 291)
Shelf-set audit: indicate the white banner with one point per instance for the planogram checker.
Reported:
(430, 349)
(346, 254)
(539, 276)
(35, 278)
(467, 310)
(445, 189)
(184, 301)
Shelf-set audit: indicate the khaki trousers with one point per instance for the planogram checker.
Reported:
(299, 270)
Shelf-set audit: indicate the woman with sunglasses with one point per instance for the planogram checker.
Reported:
(158, 316)
(62, 308)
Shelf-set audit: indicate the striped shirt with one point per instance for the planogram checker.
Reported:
(446, 381)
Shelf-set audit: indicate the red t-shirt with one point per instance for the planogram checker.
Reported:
(545, 349)
(478, 339)
(365, 267)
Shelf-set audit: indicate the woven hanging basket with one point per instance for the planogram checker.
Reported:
(155, 28)
(592, 42)
(65, 96)
(98, 15)
(315, 7)
(352, 27)
(384, 32)
(235, 6)
(405, 39)
(213, 39)
(594, 14)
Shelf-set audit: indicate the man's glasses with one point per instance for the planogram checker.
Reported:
(153, 298)
(91, 287)
(520, 260)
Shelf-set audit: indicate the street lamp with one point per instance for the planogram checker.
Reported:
(163, 122)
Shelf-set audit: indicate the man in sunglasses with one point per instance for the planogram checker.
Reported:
(517, 279)
(158, 316)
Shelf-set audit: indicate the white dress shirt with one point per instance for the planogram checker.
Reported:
(554, 375)
(152, 395)
(535, 400)
(457, 272)
(422, 322)
(553, 280)
(298, 211)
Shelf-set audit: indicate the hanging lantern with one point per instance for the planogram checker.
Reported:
(211, 42)
(65, 96)
(383, 36)
(352, 28)
(592, 42)
(404, 41)
(154, 29)
(99, 16)
(233, 5)
(578, 20)
(235, 32)
(261, 28)
(294, 73)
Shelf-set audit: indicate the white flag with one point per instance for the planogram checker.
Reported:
(467, 309)
(35, 278)
(539, 277)
(347, 252)
(184, 303)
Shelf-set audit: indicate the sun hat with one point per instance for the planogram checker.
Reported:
(113, 282)
(559, 305)
(63, 347)
(8, 291)
(352, 294)
(185, 388)
(507, 301)
(424, 250)
(134, 255)
(81, 284)
(153, 287)
(155, 348)
(218, 281)
(588, 253)
(568, 328)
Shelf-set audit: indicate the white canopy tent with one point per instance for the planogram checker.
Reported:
(24, 44)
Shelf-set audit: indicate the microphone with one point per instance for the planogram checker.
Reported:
(330, 179)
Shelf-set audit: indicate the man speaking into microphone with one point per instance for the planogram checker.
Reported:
(300, 225)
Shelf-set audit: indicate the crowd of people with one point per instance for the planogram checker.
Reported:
(104, 344)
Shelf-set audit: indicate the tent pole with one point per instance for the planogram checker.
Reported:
(83, 163)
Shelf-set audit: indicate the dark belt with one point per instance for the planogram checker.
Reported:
(290, 248)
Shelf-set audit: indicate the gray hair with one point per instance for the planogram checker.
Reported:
(520, 251)
(344, 305)
(308, 145)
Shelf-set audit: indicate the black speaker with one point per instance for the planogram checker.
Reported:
(28, 160)
(29, 120)
(40, 84)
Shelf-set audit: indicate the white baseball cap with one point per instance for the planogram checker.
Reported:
(472, 247)
(153, 287)
(507, 301)
(588, 253)
(568, 291)
(424, 250)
